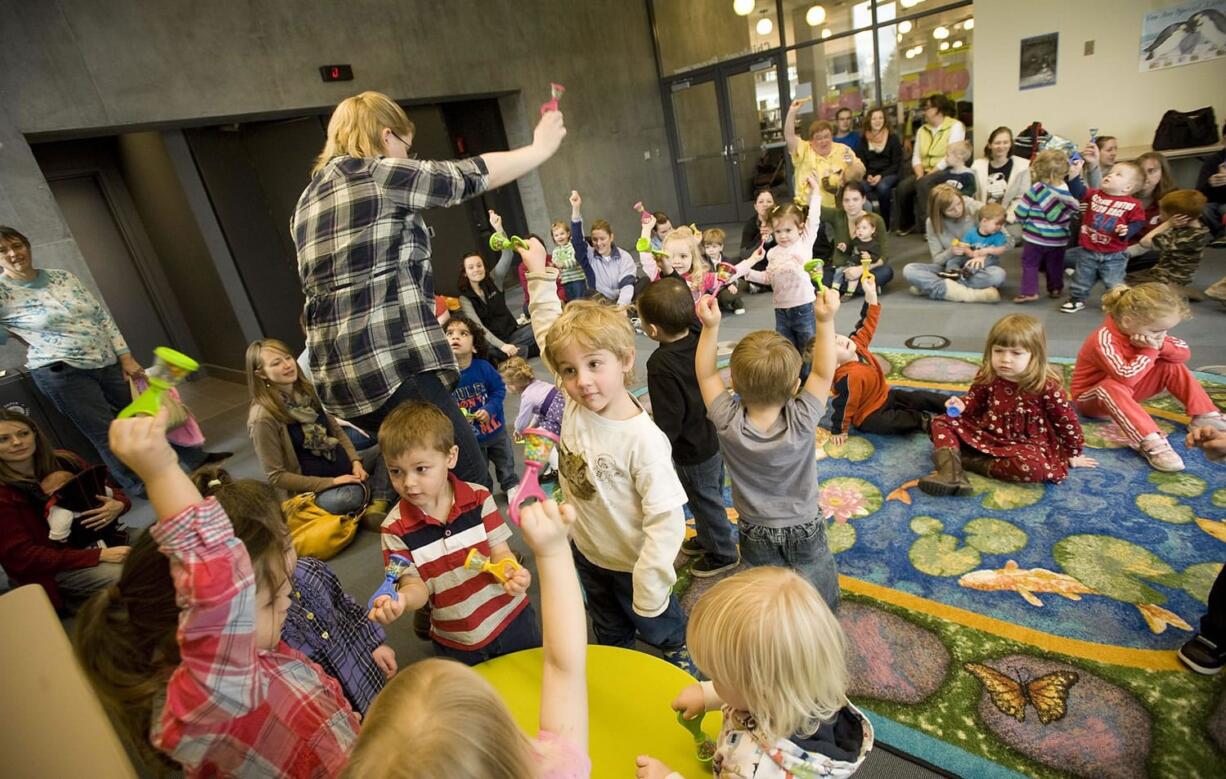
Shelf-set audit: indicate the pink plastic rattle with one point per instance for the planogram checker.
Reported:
(538, 445)
(644, 214)
(555, 91)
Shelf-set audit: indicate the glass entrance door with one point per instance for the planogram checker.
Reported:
(727, 136)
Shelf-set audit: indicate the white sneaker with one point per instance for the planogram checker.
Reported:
(522, 320)
(1160, 454)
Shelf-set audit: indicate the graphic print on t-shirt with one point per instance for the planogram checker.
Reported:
(574, 473)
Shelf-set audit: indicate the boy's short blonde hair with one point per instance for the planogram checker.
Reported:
(415, 424)
(764, 367)
(714, 235)
(767, 634)
(963, 149)
(458, 724)
(1050, 166)
(592, 325)
(517, 370)
(992, 211)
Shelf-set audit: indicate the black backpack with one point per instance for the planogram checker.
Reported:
(1182, 130)
(1028, 142)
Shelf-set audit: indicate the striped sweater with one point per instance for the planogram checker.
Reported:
(1045, 212)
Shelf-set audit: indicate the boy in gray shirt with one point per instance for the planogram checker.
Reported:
(768, 441)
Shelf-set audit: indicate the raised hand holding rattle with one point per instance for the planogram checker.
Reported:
(555, 91)
(169, 370)
(538, 445)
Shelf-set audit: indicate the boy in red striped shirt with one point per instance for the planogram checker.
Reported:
(438, 520)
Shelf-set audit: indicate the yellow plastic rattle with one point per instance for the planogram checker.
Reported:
(169, 370)
(502, 570)
(865, 273)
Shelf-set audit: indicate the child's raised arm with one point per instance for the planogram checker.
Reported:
(564, 624)
(822, 373)
(710, 385)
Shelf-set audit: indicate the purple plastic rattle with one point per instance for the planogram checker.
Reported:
(538, 445)
(396, 566)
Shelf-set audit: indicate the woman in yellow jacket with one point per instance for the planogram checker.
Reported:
(932, 140)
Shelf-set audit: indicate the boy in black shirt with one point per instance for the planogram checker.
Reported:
(666, 312)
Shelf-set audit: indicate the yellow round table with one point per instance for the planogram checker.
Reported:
(629, 694)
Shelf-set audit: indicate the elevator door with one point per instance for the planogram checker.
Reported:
(108, 254)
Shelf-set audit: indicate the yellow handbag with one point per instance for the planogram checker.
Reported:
(315, 531)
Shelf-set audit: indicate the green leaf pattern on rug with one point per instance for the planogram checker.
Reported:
(1183, 485)
(847, 497)
(939, 554)
(1003, 496)
(841, 536)
(1198, 579)
(1115, 567)
(1219, 497)
(856, 449)
(1165, 508)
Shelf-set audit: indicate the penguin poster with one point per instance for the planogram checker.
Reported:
(1183, 34)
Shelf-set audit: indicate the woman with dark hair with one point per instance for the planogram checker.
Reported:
(757, 232)
(881, 152)
(27, 552)
(364, 261)
(482, 301)
(843, 268)
(1002, 178)
(1158, 182)
(932, 140)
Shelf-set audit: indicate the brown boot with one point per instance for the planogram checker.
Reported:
(977, 462)
(948, 478)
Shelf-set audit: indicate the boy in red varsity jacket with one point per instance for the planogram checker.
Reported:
(437, 522)
(861, 395)
(1112, 216)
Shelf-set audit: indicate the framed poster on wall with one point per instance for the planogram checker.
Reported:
(1037, 61)
(1183, 34)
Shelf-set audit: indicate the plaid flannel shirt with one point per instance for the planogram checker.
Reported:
(330, 628)
(231, 708)
(364, 262)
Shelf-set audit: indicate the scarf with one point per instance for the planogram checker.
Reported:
(315, 437)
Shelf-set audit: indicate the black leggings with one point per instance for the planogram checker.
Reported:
(903, 412)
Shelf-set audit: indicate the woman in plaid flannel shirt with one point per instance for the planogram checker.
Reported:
(186, 652)
(364, 262)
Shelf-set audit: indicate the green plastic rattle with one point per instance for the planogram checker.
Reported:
(814, 269)
(499, 242)
(169, 370)
(704, 745)
(644, 245)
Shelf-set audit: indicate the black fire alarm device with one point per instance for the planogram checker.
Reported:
(336, 72)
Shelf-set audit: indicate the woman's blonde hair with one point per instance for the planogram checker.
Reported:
(457, 723)
(593, 325)
(1051, 166)
(700, 267)
(357, 124)
(766, 634)
(1019, 331)
(1145, 302)
(261, 390)
(940, 198)
(1167, 181)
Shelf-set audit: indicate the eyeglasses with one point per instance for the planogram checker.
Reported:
(407, 146)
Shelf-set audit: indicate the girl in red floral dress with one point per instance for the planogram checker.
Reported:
(1015, 423)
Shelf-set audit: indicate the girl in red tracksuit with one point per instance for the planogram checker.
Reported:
(1131, 358)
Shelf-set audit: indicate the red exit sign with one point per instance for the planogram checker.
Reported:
(336, 72)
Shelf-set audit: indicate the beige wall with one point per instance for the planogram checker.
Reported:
(1105, 90)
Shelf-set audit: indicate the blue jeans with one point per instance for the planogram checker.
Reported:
(797, 324)
(610, 599)
(428, 387)
(524, 632)
(802, 548)
(704, 489)
(498, 452)
(1212, 217)
(1090, 266)
(90, 398)
(574, 290)
(883, 191)
(923, 276)
(884, 275)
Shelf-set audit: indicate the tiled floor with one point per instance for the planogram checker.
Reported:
(222, 406)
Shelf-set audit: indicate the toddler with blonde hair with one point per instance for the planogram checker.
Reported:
(776, 657)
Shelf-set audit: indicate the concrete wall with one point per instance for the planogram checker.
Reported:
(1104, 90)
(72, 65)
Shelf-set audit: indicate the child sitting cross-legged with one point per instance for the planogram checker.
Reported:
(616, 470)
(861, 395)
(776, 657)
(667, 310)
(456, 721)
(185, 651)
(767, 434)
(978, 252)
(438, 520)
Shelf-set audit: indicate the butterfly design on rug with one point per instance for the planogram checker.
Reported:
(1048, 693)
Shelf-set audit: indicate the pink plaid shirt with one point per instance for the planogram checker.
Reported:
(231, 708)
